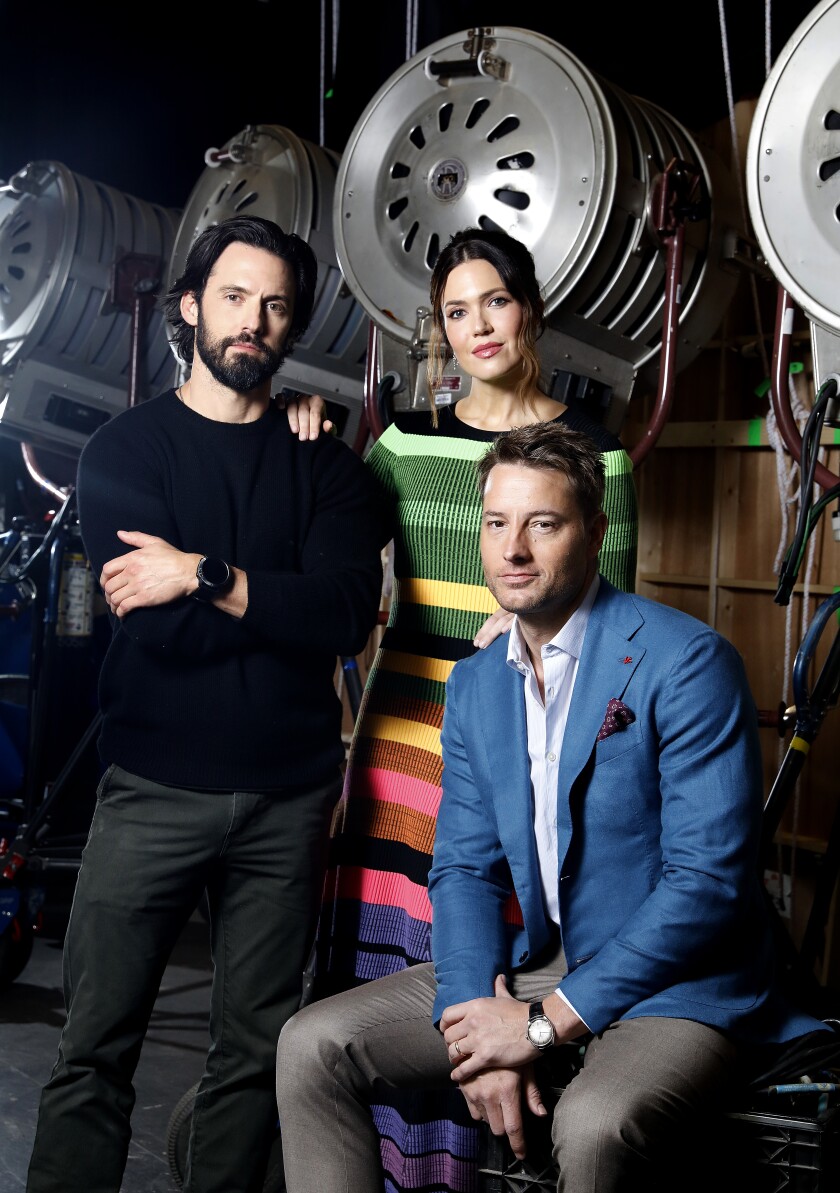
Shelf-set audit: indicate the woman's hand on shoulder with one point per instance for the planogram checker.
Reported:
(497, 623)
(305, 413)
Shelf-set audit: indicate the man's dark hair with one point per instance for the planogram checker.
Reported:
(556, 448)
(209, 245)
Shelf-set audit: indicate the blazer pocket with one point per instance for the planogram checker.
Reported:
(627, 738)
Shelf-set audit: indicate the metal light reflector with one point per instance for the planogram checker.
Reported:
(65, 349)
(503, 127)
(793, 175)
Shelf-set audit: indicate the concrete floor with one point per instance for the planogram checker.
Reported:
(32, 1016)
(31, 1019)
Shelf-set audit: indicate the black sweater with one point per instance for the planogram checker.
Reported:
(191, 696)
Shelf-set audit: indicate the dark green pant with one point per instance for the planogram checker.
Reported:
(151, 852)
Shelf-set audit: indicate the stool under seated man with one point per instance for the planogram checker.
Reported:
(595, 870)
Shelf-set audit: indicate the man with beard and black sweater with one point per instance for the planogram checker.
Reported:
(237, 563)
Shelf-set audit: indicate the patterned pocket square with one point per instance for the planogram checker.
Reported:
(618, 715)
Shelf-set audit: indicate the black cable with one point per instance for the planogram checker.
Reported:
(9, 543)
(384, 391)
(807, 467)
(49, 537)
(808, 464)
(828, 496)
(816, 1053)
(814, 517)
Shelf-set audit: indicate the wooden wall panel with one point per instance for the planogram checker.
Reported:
(674, 494)
(750, 515)
(693, 600)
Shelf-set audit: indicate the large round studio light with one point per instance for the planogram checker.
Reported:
(65, 346)
(793, 166)
(793, 191)
(504, 128)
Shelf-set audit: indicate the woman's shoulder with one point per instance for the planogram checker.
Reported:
(413, 422)
(406, 442)
(579, 420)
(419, 422)
(451, 435)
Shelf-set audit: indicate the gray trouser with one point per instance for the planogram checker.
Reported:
(151, 852)
(642, 1082)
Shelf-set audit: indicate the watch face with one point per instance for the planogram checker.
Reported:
(541, 1032)
(213, 572)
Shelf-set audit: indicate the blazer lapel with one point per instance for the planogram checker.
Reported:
(607, 663)
(506, 742)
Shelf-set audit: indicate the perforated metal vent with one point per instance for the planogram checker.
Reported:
(543, 149)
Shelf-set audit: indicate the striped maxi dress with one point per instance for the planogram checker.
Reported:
(376, 914)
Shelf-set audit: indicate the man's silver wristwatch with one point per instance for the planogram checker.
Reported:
(540, 1029)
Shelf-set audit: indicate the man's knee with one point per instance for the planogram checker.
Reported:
(306, 1041)
(615, 1128)
(579, 1121)
(595, 1125)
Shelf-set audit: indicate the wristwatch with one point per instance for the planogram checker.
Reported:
(214, 577)
(540, 1029)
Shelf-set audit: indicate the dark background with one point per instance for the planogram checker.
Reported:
(133, 94)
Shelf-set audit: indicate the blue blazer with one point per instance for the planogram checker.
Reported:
(658, 825)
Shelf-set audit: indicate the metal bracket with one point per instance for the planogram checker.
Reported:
(135, 280)
(32, 179)
(480, 61)
(419, 349)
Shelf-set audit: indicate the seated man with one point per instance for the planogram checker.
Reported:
(601, 764)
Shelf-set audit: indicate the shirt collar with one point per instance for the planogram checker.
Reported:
(569, 638)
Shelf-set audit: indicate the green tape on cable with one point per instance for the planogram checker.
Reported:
(754, 432)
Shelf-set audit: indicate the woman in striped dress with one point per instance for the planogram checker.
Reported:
(488, 313)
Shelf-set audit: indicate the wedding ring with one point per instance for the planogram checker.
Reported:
(458, 1048)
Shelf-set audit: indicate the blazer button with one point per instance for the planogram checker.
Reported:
(524, 957)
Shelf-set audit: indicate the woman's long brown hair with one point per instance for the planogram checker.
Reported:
(515, 266)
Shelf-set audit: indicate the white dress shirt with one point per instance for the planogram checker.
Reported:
(546, 724)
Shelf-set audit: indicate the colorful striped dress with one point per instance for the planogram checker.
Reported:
(376, 915)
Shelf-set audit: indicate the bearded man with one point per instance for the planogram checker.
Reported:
(238, 563)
